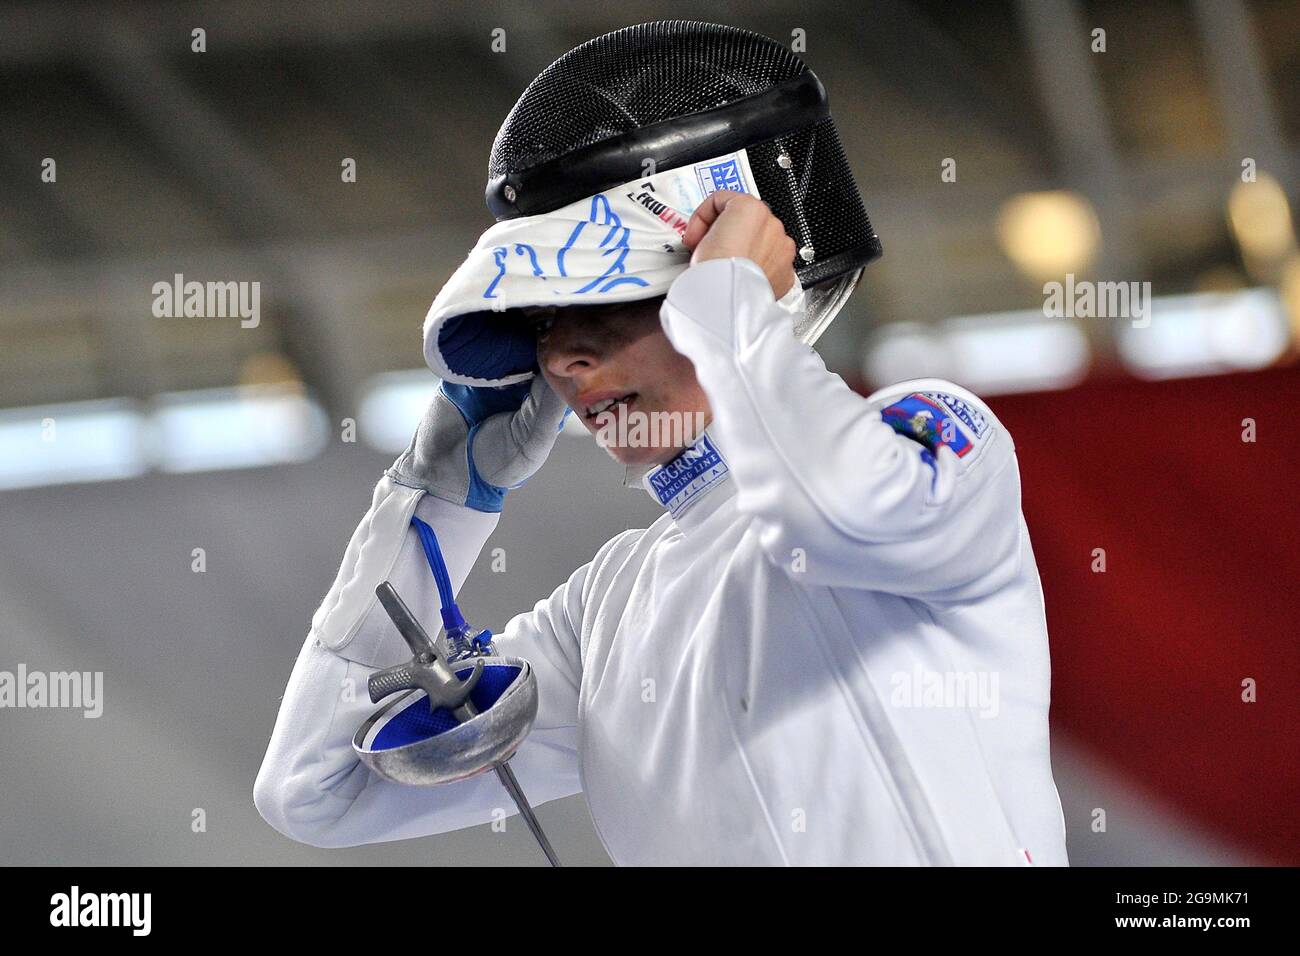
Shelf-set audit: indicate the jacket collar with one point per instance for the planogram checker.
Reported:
(698, 475)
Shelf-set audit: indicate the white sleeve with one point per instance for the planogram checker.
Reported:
(311, 786)
(914, 491)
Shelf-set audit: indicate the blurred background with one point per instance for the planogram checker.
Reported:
(999, 146)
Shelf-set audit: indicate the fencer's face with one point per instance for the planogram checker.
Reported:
(614, 366)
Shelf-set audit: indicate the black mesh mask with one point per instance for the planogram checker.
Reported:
(676, 92)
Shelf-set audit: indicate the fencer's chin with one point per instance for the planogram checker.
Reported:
(653, 457)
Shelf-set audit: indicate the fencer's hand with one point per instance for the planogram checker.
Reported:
(475, 444)
(733, 225)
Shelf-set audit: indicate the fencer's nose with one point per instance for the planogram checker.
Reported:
(568, 350)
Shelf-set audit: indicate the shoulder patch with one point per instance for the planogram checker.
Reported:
(935, 420)
(968, 413)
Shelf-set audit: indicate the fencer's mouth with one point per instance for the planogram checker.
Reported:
(590, 411)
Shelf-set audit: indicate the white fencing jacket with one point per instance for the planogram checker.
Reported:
(830, 650)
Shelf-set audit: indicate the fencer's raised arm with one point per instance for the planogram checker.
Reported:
(826, 473)
(311, 786)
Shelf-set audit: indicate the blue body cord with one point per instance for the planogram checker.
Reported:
(452, 619)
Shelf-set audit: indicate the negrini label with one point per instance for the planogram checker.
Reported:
(689, 475)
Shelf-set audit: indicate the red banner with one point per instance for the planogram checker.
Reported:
(1201, 589)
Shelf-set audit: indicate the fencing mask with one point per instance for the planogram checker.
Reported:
(596, 171)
